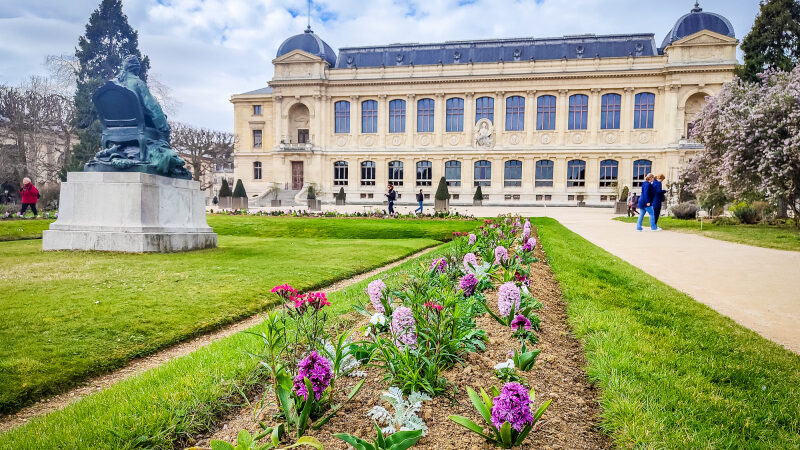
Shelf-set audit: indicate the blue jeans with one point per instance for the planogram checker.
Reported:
(391, 207)
(420, 208)
(648, 210)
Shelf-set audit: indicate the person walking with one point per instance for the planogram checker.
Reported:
(29, 195)
(660, 196)
(646, 203)
(631, 205)
(391, 196)
(420, 198)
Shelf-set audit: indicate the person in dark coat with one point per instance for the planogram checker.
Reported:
(646, 202)
(660, 197)
(391, 196)
(29, 195)
(420, 198)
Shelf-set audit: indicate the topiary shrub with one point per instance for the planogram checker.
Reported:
(225, 189)
(685, 211)
(725, 220)
(310, 193)
(442, 193)
(624, 195)
(478, 194)
(745, 213)
(341, 195)
(239, 191)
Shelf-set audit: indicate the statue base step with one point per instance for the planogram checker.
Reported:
(129, 212)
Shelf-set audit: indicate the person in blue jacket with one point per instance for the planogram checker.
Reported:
(646, 202)
(660, 197)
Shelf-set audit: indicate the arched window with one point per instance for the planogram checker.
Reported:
(546, 112)
(643, 110)
(610, 107)
(576, 173)
(483, 173)
(397, 116)
(341, 110)
(455, 115)
(340, 173)
(544, 173)
(257, 170)
(368, 173)
(608, 173)
(578, 111)
(396, 173)
(424, 173)
(452, 173)
(369, 116)
(513, 173)
(484, 109)
(641, 167)
(425, 115)
(515, 113)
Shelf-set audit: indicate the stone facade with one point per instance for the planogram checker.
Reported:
(296, 120)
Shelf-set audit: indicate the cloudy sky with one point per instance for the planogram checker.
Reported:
(207, 50)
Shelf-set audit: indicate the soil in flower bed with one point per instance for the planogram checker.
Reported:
(572, 421)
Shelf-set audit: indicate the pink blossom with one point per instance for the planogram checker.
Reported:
(508, 296)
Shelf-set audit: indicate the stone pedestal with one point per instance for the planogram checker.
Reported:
(129, 212)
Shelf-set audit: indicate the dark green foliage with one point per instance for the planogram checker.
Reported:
(442, 193)
(624, 195)
(478, 194)
(239, 191)
(341, 195)
(685, 211)
(225, 189)
(745, 213)
(107, 40)
(311, 193)
(774, 40)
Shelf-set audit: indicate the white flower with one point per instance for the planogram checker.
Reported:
(377, 319)
(509, 364)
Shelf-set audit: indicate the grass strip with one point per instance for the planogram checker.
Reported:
(21, 229)
(781, 237)
(674, 373)
(168, 405)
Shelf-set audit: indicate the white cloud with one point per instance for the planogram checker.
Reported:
(207, 50)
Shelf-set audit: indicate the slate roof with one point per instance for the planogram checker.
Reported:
(308, 42)
(264, 90)
(695, 21)
(494, 50)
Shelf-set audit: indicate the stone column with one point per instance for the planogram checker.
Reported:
(469, 118)
(528, 173)
(560, 174)
(626, 121)
(659, 118)
(498, 172)
(411, 120)
(383, 120)
(530, 117)
(675, 115)
(499, 118)
(594, 116)
(438, 119)
(355, 121)
(325, 115)
(278, 118)
(316, 126)
(592, 175)
(562, 115)
(468, 175)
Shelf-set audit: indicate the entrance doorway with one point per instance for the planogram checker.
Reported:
(297, 175)
(302, 136)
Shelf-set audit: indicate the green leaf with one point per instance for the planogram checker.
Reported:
(522, 435)
(487, 400)
(309, 441)
(276, 435)
(470, 425)
(287, 405)
(302, 423)
(403, 440)
(541, 410)
(479, 405)
(505, 435)
(221, 445)
(357, 443)
(244, 440)
(379, 441)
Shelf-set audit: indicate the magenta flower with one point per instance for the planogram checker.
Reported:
(508, 296)
(318, 370)
(472, 239)
(375, 290)
(404, 327)
(513, 405)
(500, 255)
(285, 291)
(433, 305)
(520, 321)
(468, 283)
(439, 265)
(470, 258)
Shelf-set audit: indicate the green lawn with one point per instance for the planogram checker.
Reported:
(70, 315)
(163, 407)
(782, 237)
(12, 230)
(673, 372)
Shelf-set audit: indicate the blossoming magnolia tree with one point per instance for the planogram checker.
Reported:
(751, 133)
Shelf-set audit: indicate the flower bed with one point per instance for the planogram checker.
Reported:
(375, 214)
(489, 314)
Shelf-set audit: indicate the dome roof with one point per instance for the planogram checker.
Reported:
(309, 43)
(695, 21)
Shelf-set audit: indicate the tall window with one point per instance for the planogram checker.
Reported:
(424, 173)
(340, 173)
(484, 109)
(483, 173)
(641, 167)
(256, 110)
(341, 110)
(425, 115)
(455, 115)
(578, 111)
(397, 116)
(257, 139)
(396, 173)
(643, 110)
(368, 173)
(513, 173)
(369, 116)
(610, 107)
(257, 170)
(515, 113)
(544, 173)
(576, 173)
(452, 173)
(608, 173)
(546, 112)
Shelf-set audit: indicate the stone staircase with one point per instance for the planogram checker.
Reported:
(287, 198)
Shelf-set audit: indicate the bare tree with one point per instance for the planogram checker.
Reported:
(202, 149)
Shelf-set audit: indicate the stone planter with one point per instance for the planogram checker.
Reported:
(477, 202)
(581, 204)
(275, 203)
(620, 208)
(225, 202)
(239, 203)
(314, 204)
(441, 205)
(340, 202)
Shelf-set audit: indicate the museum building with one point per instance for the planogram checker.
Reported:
(533, 121)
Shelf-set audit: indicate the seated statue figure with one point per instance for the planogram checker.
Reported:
(136, 133)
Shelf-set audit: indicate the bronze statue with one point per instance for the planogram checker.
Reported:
(135, 129)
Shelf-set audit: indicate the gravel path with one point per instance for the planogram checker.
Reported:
(140, 365)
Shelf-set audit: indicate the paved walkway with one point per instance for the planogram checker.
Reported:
(757, 287)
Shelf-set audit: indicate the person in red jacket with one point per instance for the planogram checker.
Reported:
(30, 195)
